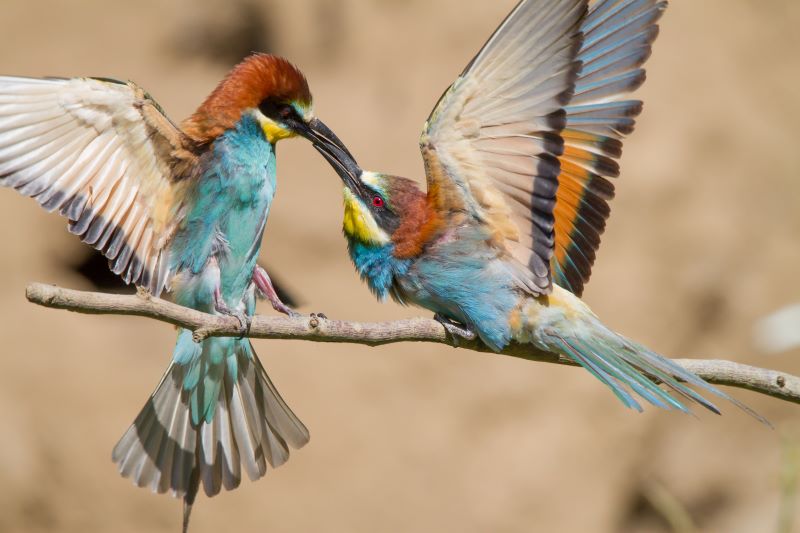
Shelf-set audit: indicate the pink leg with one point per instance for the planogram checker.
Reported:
(264, 285)
(219, 304)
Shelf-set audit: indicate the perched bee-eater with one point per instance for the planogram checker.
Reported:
(518, 155)
(181, 209)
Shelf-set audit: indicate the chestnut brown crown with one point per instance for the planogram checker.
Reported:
(257, 78)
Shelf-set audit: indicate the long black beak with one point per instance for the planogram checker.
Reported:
(339, 157)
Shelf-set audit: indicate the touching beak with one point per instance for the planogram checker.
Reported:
(337, 154)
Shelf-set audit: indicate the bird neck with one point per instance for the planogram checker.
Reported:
(420, 224)
(377, 264)
(247, 131)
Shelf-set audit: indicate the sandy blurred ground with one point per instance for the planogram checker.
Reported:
(703, 242)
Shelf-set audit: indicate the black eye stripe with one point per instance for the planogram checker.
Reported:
(383, 214)
(275, 110)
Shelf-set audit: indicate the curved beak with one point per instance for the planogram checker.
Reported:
(339, 157)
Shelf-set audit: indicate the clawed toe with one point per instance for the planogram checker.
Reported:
(244, 323)
(285, 309)
(244, 320)
(456, 330)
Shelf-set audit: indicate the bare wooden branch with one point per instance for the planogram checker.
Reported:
(769, 382)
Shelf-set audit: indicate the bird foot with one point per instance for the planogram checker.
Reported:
(281, 307)
(244, 320)
(267, 290)
(294, 314)
(456, 330)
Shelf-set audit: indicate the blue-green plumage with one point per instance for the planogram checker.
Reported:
(178, 209)
(458, 277)
(216, 249)
(517, 155)
(377, 265)
(229, 205)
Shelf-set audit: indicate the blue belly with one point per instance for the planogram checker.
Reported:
(476, 291)
(459, 276)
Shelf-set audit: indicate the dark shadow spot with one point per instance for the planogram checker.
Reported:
(38, 512)
(225, 32)
(93, 266)
(288, 297)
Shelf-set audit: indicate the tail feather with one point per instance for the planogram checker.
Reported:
(250, 427)
(630, 369)
(223, 435)
(245, 431)
(275, 450)
(212, 473)
(634, 368)
(166, 452)
(594, 368)
(159, 439)
(285, 422)
(671, 366)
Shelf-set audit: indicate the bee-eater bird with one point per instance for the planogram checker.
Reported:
(518, 154)
(182, 209)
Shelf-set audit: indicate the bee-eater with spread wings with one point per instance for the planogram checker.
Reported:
(182, 209)
(518, 155)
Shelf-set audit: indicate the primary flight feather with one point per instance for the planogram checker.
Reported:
(518, 154)
(178, 209)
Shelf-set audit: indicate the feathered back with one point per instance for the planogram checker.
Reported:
(257, 78)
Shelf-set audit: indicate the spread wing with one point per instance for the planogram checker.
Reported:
(101, 153)
(492, 143)
(618, 35)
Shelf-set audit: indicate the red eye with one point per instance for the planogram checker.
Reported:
(377, 201)
(285, 111)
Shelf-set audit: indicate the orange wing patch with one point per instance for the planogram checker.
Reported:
(617, 40)
(581, 208)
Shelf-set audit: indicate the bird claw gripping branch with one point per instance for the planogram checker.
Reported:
(456, 330)
(178, 209)
(519, 153)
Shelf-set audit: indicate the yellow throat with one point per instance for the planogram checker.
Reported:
(274, 132)
(359, 224)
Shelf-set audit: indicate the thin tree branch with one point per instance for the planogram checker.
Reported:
(769, 382)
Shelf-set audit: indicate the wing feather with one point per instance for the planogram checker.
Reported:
(618, 38)
(102, 154)
(491, 144)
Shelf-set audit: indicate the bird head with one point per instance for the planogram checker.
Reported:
(274, 92)
(384, 210)
(373, 211)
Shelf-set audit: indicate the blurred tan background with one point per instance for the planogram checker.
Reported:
(703, 242)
